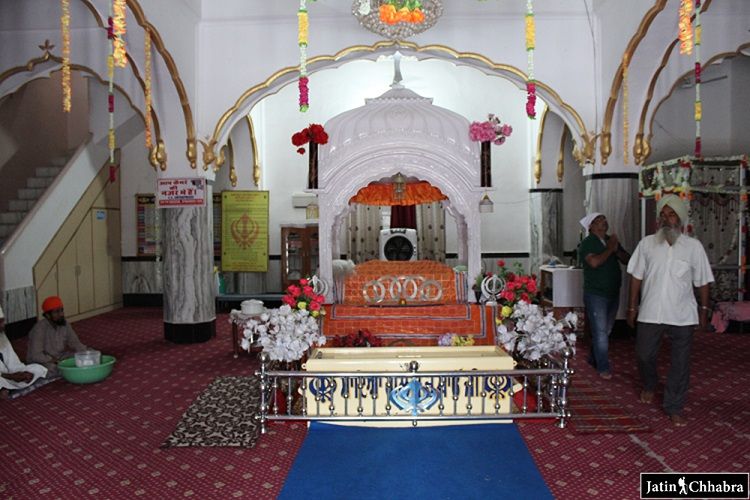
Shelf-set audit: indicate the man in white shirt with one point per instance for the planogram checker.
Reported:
(664, 269)
(14, 375)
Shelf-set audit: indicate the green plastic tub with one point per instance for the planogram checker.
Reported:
(86, 374)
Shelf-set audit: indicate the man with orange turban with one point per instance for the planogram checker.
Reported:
(52, 338)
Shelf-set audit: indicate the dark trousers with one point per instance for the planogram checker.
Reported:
(647, 346)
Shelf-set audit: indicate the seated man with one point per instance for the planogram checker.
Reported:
(52, 338)
(14, 375)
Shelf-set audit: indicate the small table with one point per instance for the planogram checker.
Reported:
(238, 318)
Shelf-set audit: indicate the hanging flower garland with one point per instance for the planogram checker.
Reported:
(625, 110)
(302, 28)
(65, 34)
(118, 42)
(698, 102)
(685, 27)
(147, 77)
(111, 87)
(530, 44)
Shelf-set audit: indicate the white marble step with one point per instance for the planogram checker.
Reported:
(30, 193)
(12, 217)
(39, 182)
(6, 230)
(47, 171)
(21, 205)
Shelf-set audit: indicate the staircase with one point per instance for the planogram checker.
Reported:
(27, 197)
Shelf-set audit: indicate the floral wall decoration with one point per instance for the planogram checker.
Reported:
(65, 35)
(490, 131)
(119, 29)
(111, 37)
(401, 11)
(314, 134)
(685, 27)
(302, 31)
(698, 103)
(530, 45)
(397, 19)
(625, 110)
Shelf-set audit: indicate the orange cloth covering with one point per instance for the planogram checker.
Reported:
(382, 194)
(374, 269)
(412, 325)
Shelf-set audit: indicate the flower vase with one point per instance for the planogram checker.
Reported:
(312, 170)
(485, 160)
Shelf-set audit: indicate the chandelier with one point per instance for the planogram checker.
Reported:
(397, 19)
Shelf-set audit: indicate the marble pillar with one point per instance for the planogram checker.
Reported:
(545, 214)
(187, 274)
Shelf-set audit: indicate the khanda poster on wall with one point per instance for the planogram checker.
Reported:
(244, 231)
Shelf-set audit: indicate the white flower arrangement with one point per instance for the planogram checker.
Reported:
(284, 333)
(534, 335)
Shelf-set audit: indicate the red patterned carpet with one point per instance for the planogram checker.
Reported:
(102, 440)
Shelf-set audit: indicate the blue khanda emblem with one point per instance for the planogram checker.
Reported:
(414, 397)
(323, 387)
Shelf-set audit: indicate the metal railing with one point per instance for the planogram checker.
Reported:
(414, 396)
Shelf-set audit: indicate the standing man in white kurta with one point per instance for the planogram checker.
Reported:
(664, 269)
(14, 375)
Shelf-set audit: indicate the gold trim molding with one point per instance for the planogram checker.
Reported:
(254, 144)
(561, 154)
(350, 53)
(605, 148)
(540, 136)
(645, 141)
(48, 57)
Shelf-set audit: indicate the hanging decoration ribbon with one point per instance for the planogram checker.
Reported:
(625, 110)
(111, 87)
(698, 103)
(147, 78)
(530, 44)
(302, 27)
(685, 27)
(65, 35)
(118, 42)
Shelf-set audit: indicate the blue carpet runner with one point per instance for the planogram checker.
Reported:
(487, 461)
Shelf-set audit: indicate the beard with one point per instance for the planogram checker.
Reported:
(667, 233)
(60, 322)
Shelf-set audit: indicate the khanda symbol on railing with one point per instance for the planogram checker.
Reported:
(244, 231)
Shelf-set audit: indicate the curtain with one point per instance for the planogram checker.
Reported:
(365, 224)
(404, 216)
(431, 231)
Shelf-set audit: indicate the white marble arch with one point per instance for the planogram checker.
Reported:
(399, 131)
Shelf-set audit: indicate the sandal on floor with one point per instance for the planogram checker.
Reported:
(647, 396)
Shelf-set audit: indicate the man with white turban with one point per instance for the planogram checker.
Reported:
(665, 267)
(14, 375)
(600, 256)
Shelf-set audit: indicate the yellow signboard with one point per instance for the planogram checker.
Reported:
(244, 231)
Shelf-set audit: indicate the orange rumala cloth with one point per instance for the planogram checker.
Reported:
(412, 325)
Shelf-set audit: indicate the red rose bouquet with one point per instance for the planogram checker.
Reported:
(314, 133)
(363, 338)
(303, 297)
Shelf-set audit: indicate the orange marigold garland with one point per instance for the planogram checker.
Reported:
(147, 78)
(111, 87)
(685, 27)
(65, 34)
(118, 42)
(530, 44)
